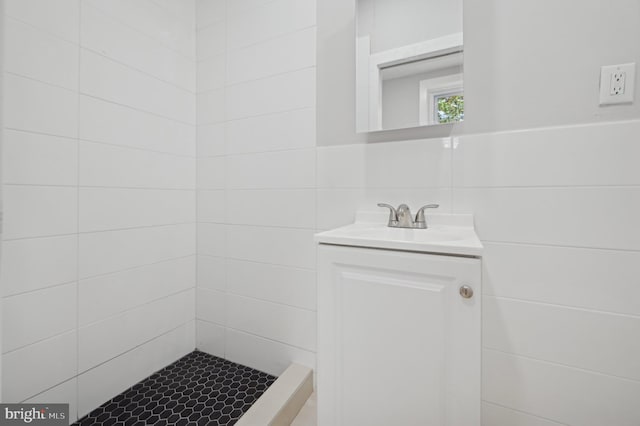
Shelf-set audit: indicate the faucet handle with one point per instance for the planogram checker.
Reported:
(421, 222)
(393, 213)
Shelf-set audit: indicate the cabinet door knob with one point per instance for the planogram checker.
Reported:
(466, 292)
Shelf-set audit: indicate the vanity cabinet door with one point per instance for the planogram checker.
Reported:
(398, 345)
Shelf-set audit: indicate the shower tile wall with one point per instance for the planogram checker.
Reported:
(256, 181)
(98, 251)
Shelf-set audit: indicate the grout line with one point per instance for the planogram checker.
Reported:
(263, 337)
(78, 160)
(267, 77)
(111, 101)
(141, 71)
(136, 307)
(43, 30)
(135, 148)
(565, 307)
(524, 412)
(42, 340)
(260, 299)
(37, 80)
(560, 364)
(132, 188)
(163, 334)
(165, 45)
(37, 290)
(564, 246)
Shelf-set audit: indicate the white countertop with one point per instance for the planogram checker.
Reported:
(446, 234)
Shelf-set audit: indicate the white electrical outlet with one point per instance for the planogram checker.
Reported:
(617, 84)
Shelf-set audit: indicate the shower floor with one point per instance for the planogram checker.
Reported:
(198, 389)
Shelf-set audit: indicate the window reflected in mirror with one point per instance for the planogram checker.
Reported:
(409, 62)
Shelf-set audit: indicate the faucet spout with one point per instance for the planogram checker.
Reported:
(405, 219)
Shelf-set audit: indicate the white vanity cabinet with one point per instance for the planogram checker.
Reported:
(398, 341)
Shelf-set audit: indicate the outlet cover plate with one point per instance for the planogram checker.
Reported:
(617, 84)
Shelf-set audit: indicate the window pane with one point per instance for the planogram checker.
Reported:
(450, 108)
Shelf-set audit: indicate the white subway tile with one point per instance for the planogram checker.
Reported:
(59, 18)
(30, 158)
(559, 393)
(100, 384)
(272, 132)
(212, 173)
(106, 36)
(291, 52)
(35, 316)
(211, 140)
(112, 166)
(112, 81)
(495, 415)
(279, 284)
(342, 166)
(558, 335)
(212, 73)
(280, 93)
(38, 211)
(33, 264)
(210, 11)
(419, 163)
(285, 324)
(212, 206)
(263, 354)
(107, 208)
(212, 273)
(154, 17)
(39, 55)
(103, 121)
(211, 107)
(237, 7)
(268, 20)
(599, 154)
(210, 338)
(579, 216)
(113, 251)
(40, 107)
(211, 306)
(212, 239)
(283, 169)
(413, 197)
(104, 340)
(337, 207)
(212, 40)
(64, 393)
(280, 246)
(290, 208)
(107, 295)
(554, 273)
(33, 369)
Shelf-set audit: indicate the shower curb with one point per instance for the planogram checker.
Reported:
(282, 401)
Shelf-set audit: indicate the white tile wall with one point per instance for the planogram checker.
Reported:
(99, 176)
(55, 260)
(36, 159)
(106, 380)
(256, 181)
(43, 365)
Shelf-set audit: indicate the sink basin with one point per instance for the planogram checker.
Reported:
(447, 234)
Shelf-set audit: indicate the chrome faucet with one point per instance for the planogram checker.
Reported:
(402, 218)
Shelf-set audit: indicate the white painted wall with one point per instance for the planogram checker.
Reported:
(98, 249)
(256, 181)
(393, 24)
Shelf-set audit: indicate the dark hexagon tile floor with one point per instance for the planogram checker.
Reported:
(198, 389)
